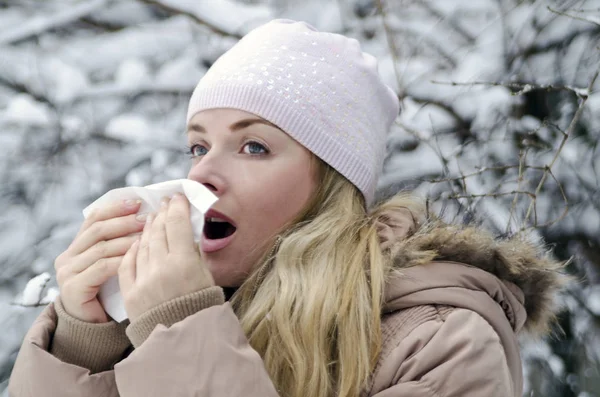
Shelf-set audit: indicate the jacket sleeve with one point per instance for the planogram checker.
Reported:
(205, 354)
(37, 372)
(459, 355)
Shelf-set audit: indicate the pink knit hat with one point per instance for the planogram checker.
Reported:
(316, 86)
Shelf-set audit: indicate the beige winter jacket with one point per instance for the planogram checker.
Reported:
(449, 329)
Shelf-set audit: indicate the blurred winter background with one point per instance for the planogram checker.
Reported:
(500, 124)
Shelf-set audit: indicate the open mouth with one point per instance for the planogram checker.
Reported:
(219, 231)
(216, 228)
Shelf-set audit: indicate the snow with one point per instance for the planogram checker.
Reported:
(593, 19)
(152, 42)
(183, 71)
(124, 12)
(229, 16)
(23, 109)
(132, 73)
(593, 300)
(64, 81)
(425, 118)
(32, 294)
(329, 17)
(129, 127)
(557, 365)
(45, 21)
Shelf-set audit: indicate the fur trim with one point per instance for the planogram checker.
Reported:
(522, 263)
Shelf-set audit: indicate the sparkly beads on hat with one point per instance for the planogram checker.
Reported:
(318, 87)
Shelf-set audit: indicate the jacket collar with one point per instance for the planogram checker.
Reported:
(521, 277)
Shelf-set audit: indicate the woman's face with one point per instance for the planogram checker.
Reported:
(262, 177)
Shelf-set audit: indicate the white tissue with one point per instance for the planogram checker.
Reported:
(200, 198)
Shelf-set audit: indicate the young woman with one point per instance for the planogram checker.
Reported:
(301, 285)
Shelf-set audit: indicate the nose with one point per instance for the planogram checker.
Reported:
(208, 172)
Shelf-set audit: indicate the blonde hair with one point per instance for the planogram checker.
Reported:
(312, 309)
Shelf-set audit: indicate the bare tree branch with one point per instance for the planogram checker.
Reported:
(192, 16)
(392, 46)
(554, 44)
(42, 23)
(450, 21)
(24, 89)
(522, 87)
(463, 126)
(566, 136)
(595, 21)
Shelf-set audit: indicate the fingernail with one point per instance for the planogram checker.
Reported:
(178, 196)
(132, 203)
(141, 217)
(164, 202)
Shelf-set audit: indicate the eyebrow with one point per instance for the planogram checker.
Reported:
(238, 125)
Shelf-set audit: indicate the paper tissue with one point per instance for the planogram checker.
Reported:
(200, 198)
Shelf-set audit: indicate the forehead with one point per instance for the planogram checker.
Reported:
(233, 119)
(222, 113)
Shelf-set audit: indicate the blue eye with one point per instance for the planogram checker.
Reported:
(197, 150)
(255, 148)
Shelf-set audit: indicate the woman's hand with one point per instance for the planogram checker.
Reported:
(94, 256)
(165, 262)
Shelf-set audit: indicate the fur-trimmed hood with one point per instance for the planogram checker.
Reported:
(525, 278)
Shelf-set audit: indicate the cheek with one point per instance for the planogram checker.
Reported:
(285, 193)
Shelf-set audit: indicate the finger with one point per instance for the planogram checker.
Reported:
(97, 274)
(158, 247)
(107, 230)
(127, 268)
(180, 235)
(102, 249)
(142, 255)
(113, 210)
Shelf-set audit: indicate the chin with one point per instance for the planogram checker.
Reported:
(225, 276)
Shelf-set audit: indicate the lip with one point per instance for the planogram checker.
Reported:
(212, 245)
(216, 214)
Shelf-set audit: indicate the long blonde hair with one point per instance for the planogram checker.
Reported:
(312, 308)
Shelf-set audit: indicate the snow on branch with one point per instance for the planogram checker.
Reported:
(523, 88)
(33, 294)
(42, 23)
(224, 17)
(591, 19)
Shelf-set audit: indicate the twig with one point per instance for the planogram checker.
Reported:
(564, 196)
(559, 42)
(464, 127)
(582, 303)
(192, 16)
(522, 87)
(434, 45)
(392, 45)
(481, 171)
(595, 22)
(104, 26)
(24, 89)
(451, 21)
(513, 206)
(494, 195)
(42, 23)
(566, 136)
